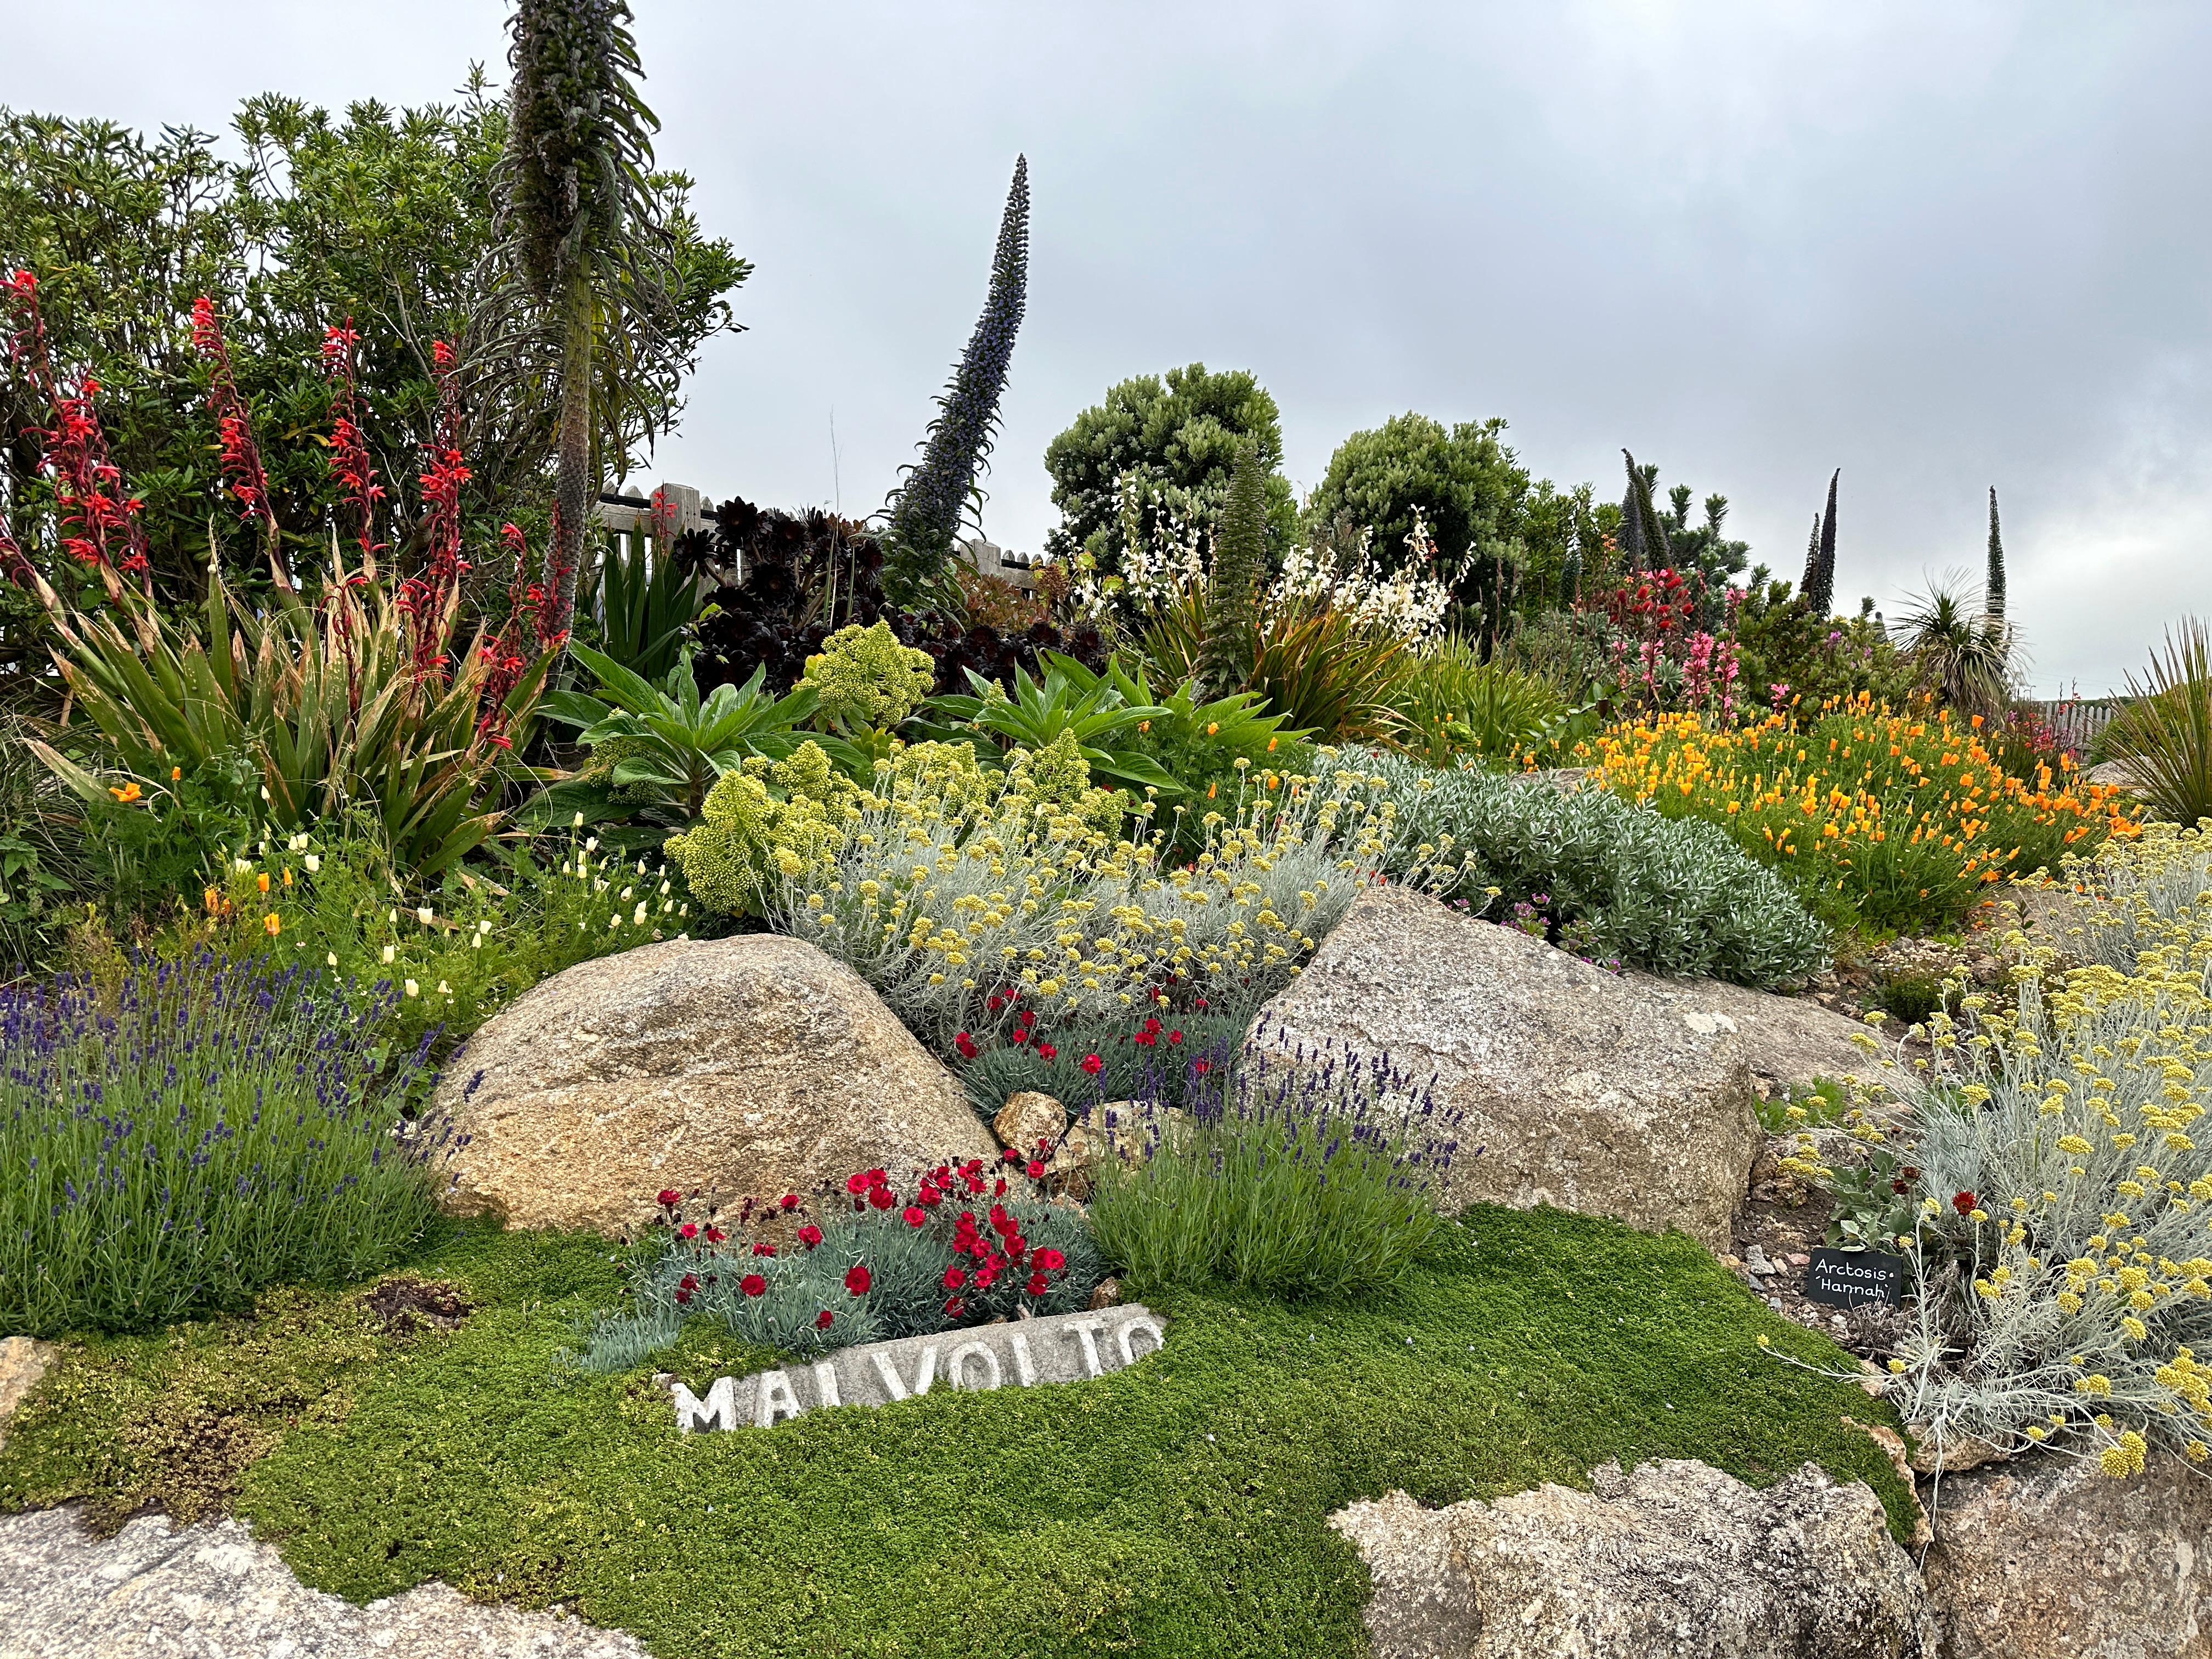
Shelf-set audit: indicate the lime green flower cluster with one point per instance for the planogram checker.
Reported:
(956, 913)
(866, 680)
(1057, 778)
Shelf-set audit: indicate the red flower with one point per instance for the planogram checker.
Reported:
(966, 1045)
(916, 1215)
(856, 1278)
(1035, 1169)
(1050, 1261)
(753, 1284)
(688, 1282)
(1174, 1037)
(822, 1320)
(670, 1198)
(1093, 1065)
(857, 1182)
(1039, 1284)
(1964, 1203)
(954, 1279)
(1046, 1051)
(881, 1197)
(763, 1248)
(689, 1229)
(984, 1274)
(682, 1295)
(998, 1187)
(715, 1235)
(1200, 1068)
(789, 1200)
(1010, 1156)
(810, 1236)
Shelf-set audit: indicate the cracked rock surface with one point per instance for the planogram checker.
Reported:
(155, 1591)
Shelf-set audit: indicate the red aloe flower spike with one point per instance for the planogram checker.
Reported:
(349, 460)
(233, 422)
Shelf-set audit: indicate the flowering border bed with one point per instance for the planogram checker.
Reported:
(1177, 1507)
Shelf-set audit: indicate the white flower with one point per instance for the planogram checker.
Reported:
(476, 943)
(388, 952)
(422, 915)
(413, 989)
(638, 921)
(592, 845)
(265, 791)
(579, 822)
(331, 957)
(627, 893)
(444, 989)
(313, 862)
(392, 916)
(615, 920)
(664, 890)
(298, 842)
(241, 865)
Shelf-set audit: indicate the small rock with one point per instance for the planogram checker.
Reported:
(23, 1361)
(1104, 1294)
(1027, 1118)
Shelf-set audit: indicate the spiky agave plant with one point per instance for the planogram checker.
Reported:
(576, 170)
(2164, 734)
(925, 512)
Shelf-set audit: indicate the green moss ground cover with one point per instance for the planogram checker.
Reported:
(1175, 1508)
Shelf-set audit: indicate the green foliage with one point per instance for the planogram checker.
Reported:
(1818, 1105)
(454, 950)
(1961, 656)
(1669, 897)
(1531, 1346)
(1091, 710)
(645, 601)
(866, 681)
(1232, 586)
(1454, 706)
(762, 820)
(1313, 1177)
(1912, 998)
(306, 713)
(2163, 733)
(658, 750)
(210, 1130)
(385, 218)
(1209, 747)
(1173, 440)
(1793, 656)
(1464, 481)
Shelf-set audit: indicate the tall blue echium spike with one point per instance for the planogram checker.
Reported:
(925, 512)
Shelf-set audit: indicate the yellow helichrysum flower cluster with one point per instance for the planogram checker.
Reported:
(2074, 1121)
(1884, 817)
(947, 905)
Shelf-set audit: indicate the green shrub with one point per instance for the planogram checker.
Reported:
(1314, 1173)
(864, 1264)
(2163, 735)
(213, 1128)
(1668, 896)
(453, 952)
(866, 680)
(1454, 706)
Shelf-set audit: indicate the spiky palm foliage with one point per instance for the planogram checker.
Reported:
(576, 171)
(1232, 587)
(2164, 734)
(1818, 587)
(925, 513)
(1962, 657)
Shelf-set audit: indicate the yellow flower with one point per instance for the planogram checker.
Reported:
(273, 924)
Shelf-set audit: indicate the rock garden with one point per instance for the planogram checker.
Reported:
(727, 1084)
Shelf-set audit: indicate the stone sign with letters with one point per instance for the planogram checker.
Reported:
(1057, 1348)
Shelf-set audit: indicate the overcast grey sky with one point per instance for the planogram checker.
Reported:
(1939, 245)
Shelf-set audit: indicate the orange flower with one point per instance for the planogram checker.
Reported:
(261, 881)
(273, 923)
(128, 793)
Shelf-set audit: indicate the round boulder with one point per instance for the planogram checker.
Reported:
(746, 1066)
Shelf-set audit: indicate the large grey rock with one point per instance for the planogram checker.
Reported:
(1676, 1560)
(1013, 1354)
(2051, 1558)
(1787, 1041)
(23, 1361)
(155, 1591)
(747, 1067)
(1590, 1090)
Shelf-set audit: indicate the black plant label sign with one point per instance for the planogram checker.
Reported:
(1848, 1279)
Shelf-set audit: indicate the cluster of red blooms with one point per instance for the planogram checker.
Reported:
(98, 520)
(995, 1251)
(423, 597)
(348, 458)
(241, 456)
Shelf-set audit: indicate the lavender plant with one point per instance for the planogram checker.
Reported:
(1314, 1173)
(925, 514)
(215, 1128)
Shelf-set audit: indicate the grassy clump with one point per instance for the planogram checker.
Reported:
(212, 1128)
(1177, 1507)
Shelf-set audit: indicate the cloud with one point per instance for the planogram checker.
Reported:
(1939, 247)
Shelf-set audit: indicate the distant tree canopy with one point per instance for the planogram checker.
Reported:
(1176, 437)
(385, 218)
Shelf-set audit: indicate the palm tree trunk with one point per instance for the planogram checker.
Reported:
(576, 486)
